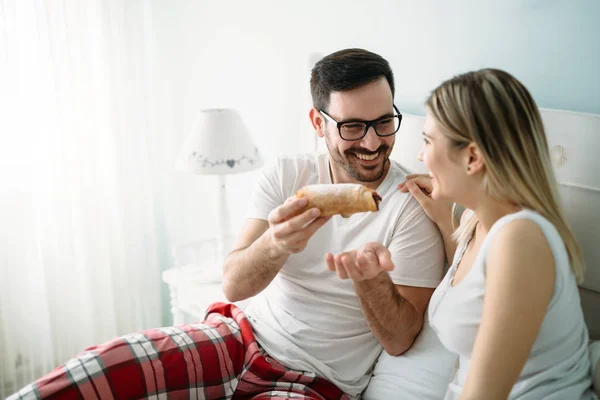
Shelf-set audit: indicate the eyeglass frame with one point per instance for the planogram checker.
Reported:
(368, 124)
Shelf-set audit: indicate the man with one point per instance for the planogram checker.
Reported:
(309, 332)
(308, 319)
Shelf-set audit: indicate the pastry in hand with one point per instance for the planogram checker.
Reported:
(342, 198)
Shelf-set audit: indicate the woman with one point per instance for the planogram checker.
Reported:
(509, 305)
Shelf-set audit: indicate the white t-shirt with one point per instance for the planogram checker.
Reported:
(558, 366)
(309, 319)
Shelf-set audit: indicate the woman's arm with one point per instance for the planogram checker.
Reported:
(439, 211)
(520, 275)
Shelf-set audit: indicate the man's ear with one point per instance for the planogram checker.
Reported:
(317, 121)
(474, 160)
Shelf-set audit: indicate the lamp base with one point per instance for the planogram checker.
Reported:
(204, 257)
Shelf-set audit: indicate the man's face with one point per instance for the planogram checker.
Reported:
(363, 160)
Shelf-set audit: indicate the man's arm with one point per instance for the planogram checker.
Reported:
(262, 247)
(394, 312)
(394, 303)
(253, 265)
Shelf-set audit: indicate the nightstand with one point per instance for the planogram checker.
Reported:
(192, 292)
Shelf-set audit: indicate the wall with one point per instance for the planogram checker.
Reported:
(254, 56)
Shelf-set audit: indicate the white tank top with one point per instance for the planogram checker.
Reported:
(558, 366)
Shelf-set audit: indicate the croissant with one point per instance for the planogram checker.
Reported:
(343, 198)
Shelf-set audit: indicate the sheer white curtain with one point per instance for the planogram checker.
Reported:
(82, 231)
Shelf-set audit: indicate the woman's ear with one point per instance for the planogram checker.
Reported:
(317, 121)
(474, 162)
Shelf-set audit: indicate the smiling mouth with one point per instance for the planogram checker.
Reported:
(367, 157)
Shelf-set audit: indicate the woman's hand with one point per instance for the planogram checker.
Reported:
(360, 265)
(420, 187)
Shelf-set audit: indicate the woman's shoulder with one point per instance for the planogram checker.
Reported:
(515, 230)
(522, 244)
(524, 226)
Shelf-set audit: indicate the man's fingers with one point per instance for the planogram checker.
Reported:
(385, 259)
(339, 268)
(288, 209)
(299, 238)
(315, 225)
(299, 222)
(349, 263)
(330, 261)
(361, 262)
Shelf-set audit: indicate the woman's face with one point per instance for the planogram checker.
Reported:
(444, 162)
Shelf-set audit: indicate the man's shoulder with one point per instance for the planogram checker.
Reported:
(289, 172)
(298, 164)
(299, 158)
(403, 203)
(398, 171)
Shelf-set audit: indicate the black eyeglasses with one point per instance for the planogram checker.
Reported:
(356, 129)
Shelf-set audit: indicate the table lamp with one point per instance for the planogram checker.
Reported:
(219, 144)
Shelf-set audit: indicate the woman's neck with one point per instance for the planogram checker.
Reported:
(490, 211)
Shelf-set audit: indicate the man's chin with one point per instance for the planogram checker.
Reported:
(368, 174)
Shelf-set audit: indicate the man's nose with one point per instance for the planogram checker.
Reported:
(371, 141)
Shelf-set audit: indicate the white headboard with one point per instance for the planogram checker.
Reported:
(574, 141)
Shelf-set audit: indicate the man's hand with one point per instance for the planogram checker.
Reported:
(360, 265)
(289, 229)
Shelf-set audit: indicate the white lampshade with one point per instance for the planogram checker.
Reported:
(219, 144)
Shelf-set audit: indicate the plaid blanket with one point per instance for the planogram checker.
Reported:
(215, 359)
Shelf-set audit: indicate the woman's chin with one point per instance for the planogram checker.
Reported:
(436, 195)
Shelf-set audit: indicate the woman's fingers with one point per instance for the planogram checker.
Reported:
(417, 193)
(423, 181)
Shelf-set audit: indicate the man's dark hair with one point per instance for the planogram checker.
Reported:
(344, 70)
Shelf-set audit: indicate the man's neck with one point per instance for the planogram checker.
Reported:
(338, 175)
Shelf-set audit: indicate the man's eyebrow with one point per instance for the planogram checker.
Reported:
(386, 115)
(390, 114)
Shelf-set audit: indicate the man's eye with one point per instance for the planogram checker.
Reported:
(352, 126)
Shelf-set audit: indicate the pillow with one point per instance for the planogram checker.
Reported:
(423, 372)
(595, 359)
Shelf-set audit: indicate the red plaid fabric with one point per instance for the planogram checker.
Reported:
(215, 359)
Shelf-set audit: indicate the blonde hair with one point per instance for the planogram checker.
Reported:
(495, 111)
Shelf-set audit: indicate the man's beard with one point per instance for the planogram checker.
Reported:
(350, 163)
